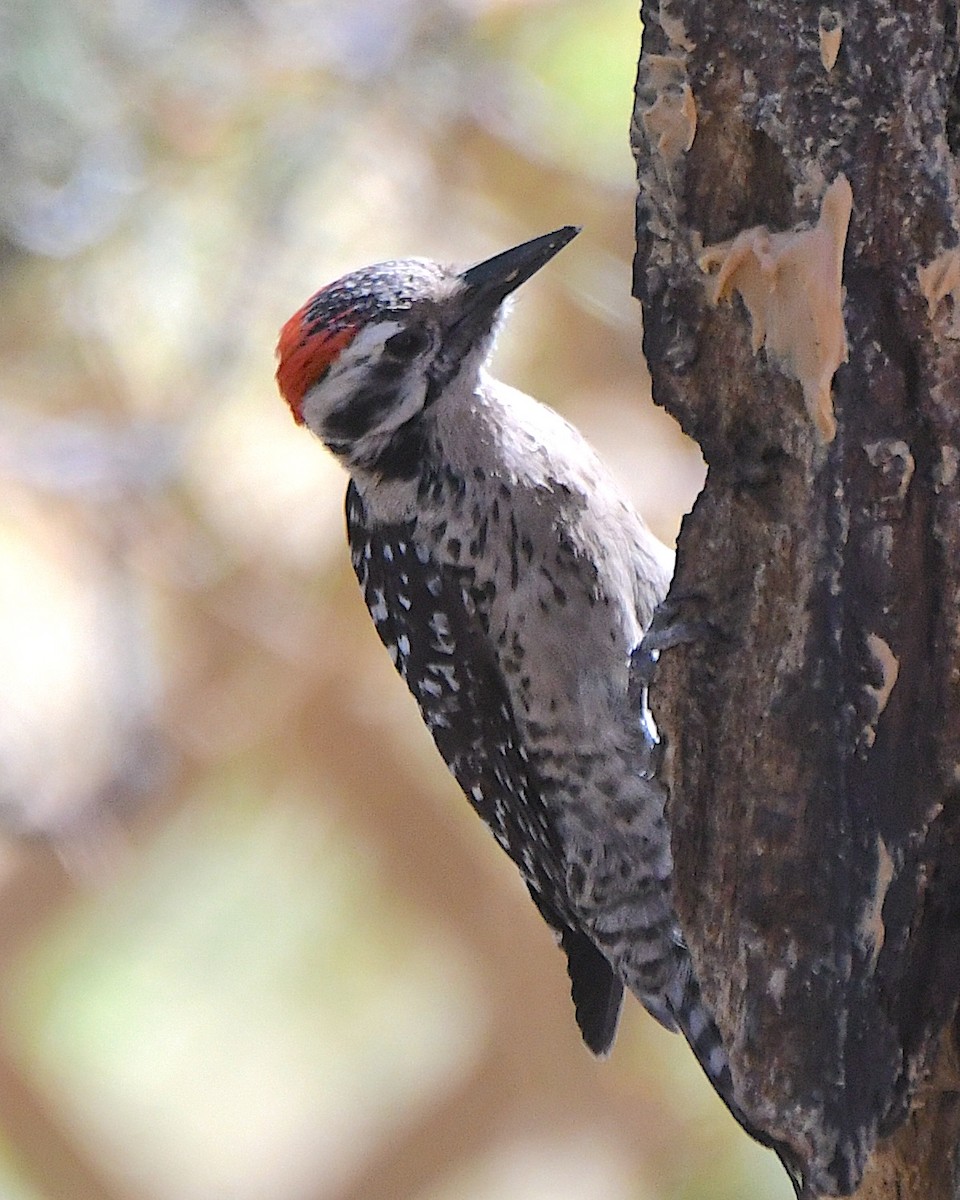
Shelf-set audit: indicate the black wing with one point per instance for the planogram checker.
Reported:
(425, 615)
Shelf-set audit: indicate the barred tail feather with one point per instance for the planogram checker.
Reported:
(698, 1027)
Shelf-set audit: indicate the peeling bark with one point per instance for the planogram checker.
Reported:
(809, 703)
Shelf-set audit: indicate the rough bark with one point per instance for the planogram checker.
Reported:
(808, 692)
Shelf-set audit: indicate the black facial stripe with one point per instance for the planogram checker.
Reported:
(449, 359)
(434, 390)
(405, 453)
(407, 343)
(387, 373)
(361, 413)
(364, 409)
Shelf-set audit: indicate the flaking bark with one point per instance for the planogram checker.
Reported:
(810, 706)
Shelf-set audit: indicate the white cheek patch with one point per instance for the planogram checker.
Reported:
(351, 374)
(365, 349)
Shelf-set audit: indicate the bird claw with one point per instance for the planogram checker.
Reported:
(667, 630)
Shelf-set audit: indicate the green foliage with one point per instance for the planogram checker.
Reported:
(585, 56)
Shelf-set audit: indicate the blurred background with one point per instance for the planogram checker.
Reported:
(253, 943)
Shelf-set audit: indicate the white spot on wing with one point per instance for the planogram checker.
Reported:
(378, 607)
(448, 673)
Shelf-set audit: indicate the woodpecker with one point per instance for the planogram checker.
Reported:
(511, 582)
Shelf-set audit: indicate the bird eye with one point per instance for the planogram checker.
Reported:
(408, 343)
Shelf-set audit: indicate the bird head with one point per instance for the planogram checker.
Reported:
(369, 354)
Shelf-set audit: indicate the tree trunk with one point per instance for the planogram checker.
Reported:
(798, 198)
